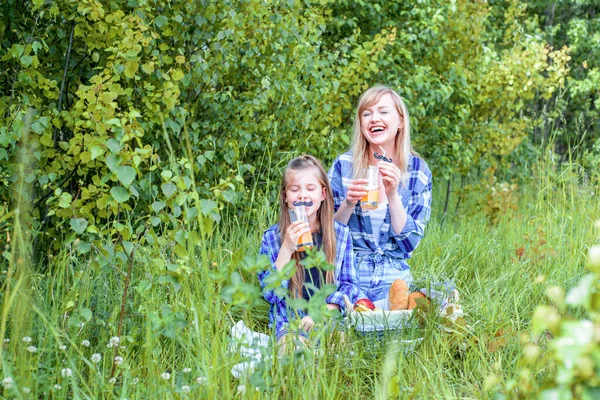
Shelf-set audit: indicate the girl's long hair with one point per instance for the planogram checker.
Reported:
(305, 164)
(360, 145)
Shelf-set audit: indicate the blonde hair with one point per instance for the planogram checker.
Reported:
(324, 216)
(360, 145)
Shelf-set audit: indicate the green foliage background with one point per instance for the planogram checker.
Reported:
(142, 109)
(143, 129)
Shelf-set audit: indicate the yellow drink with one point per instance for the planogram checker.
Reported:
(371, 200)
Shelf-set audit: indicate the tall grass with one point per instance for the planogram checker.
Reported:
(174, 340)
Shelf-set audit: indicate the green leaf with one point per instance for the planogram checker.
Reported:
(96, 152)
(168, 189)
(79, 225)
(131, 69)
(161, 21)
(207, 206)
(120, 194)
(158, 205)
(177, 75)
(125, 174)
(26, 61)
(86, 313)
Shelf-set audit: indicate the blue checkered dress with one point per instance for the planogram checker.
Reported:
(379, 266)
(345, 275)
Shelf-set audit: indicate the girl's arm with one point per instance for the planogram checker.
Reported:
(345, 274)
(270, 246)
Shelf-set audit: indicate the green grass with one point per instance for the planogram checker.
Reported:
(170, 328)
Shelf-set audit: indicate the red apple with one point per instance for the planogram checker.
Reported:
(364, 305)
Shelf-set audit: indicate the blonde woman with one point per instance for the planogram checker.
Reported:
(384, 237)
(305, 180)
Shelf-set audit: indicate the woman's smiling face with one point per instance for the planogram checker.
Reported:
(380, 121)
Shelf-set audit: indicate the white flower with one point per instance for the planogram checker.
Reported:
(7, 382)
(85, 343)
(62, 347)
(136, 380)
(26, 390)
(66, 372)
(96, 357)
(32, 349)
(594, 257)
(118, 360)
(165, 375)
(186, 370)
(114, 341)
(112, 380)
(185, 389)
(27, 339)
(201, 380)
(241, 389)
(6, 340)
(57, 387)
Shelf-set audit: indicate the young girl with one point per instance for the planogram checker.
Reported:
(305, 180)
(385, 237)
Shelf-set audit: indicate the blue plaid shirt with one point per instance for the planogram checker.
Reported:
(345, 275)
(394, 247)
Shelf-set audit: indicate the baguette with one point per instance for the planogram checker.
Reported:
(399, 295)
(412, 299)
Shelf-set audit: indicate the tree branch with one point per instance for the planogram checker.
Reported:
(62, 84)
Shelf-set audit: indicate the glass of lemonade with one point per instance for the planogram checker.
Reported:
(299, 213)
(370, 201)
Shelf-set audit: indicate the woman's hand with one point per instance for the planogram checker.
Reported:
(307, 323)
(293, 233)
(390, 175)
(356, 191)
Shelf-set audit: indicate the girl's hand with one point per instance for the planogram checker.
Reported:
(356, 190)
(307, 323)
(293, 233)
(390, 175)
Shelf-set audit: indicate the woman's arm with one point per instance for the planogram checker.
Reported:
(408, 226)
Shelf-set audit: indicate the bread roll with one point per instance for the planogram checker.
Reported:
(399, 295)
(412, 299)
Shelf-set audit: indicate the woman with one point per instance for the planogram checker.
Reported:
(385, 237)
(305, 181)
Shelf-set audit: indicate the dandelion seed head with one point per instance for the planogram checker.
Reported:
(96, 357)
(114, 341)
(26, 390)
(136, 380)
(118, 360)
(27, 339)
(66, 372)
(241, 389)
(57, 387)
(186, 370)
(85, 343)
(185, 389)
(112, 380)
(62, 347)
(165, 375)
(6, 340)
(32, 349)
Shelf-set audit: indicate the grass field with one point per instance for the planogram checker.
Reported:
(68, 333)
